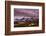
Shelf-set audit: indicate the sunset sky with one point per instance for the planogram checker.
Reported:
(20, 13)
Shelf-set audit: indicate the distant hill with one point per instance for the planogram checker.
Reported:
(24, 19)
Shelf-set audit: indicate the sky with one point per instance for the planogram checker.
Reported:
(20, 13)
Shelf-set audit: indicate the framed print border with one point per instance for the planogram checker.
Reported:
(8, 17)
